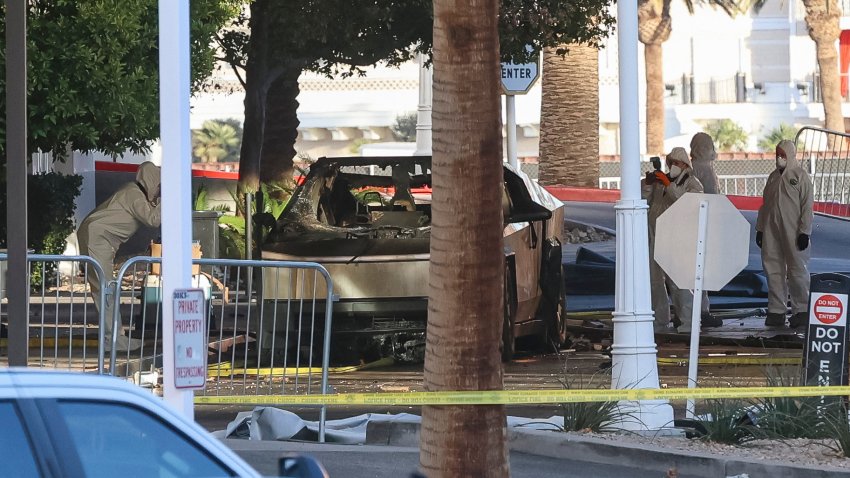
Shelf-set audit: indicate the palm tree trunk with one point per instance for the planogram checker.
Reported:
(256, 90)
(654, 98)
(569, 118)
(654, 27)
(822, 19)
(465, 285)
(281, 127)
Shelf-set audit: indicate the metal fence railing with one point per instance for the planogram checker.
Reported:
(273, 344)
(257, 345)
(63, 324)
(730, 184)
(825, 155)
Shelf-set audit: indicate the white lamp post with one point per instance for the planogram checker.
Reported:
(176, 180)
(633, 351)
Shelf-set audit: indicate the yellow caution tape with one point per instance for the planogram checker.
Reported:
(733, 360)
(522, 397)
(225, 369)
(50, 342)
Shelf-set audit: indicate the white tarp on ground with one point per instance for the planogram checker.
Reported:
(268, 423)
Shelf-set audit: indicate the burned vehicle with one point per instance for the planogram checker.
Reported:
(368, 221)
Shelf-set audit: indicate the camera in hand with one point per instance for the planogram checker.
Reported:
(656, 164)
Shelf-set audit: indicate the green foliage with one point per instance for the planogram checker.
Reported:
(835, 423)
(727, 135)
(775, 135)
(93, 71)
(232, 226)
(340, 38)
(215, 141)
(404, 128)
(726, 421)
(551, 23)
(356, 144)
(591, 416)
(50, 213)
(787, 417)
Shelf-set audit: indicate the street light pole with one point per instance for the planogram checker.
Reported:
(17, 277)
(633, 351)
(174, 83)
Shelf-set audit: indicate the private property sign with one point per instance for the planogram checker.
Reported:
(826, 343)
(190, 347)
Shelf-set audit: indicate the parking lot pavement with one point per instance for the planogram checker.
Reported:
(534, 453)
(368, 461)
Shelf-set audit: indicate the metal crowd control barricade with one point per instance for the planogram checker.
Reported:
(64, 321)
(825, 155)
(256, 346)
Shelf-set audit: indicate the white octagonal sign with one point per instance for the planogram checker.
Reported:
(727, 243)
(518, 78)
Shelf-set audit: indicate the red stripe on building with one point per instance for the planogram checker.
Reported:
(132, 168)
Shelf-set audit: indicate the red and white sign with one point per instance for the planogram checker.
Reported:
(190, 339)
(828, 309)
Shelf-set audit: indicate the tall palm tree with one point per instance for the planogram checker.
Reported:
(822, 20)
(465, 282)
(213, 141)
(569, 117)
(654, 27)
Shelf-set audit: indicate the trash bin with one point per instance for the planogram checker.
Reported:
(205, 231)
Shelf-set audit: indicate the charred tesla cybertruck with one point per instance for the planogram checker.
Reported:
(368, 221)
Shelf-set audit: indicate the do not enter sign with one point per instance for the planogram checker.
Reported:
(828, 309)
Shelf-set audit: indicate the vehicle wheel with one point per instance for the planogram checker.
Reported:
(552, 309)
(509, 308)
(558, 324)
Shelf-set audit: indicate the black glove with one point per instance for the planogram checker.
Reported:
(802, 242)
(759, 237)
(650, 177)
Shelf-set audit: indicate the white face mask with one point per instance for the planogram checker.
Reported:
(781, 163)
(675, 171)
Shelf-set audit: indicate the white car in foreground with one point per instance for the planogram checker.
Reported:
(60, 424)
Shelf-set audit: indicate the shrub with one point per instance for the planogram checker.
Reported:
(784, 131)
(788, 417)
(592, 416)
(50, 214)
(727, 135)
(726, 421)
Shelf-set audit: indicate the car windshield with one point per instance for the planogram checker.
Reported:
(113, 439)
(386, 198)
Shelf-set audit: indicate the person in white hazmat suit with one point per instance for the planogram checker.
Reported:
(783, 229)
(111, 224)
(703, 156)
(660, 191)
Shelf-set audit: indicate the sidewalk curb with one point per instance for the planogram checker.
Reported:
(596, 450)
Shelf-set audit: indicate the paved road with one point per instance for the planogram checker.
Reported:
(353, 461)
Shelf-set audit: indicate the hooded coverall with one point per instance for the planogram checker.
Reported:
(785, 214)
(660, 198)
(112, 223)
(703, 156)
